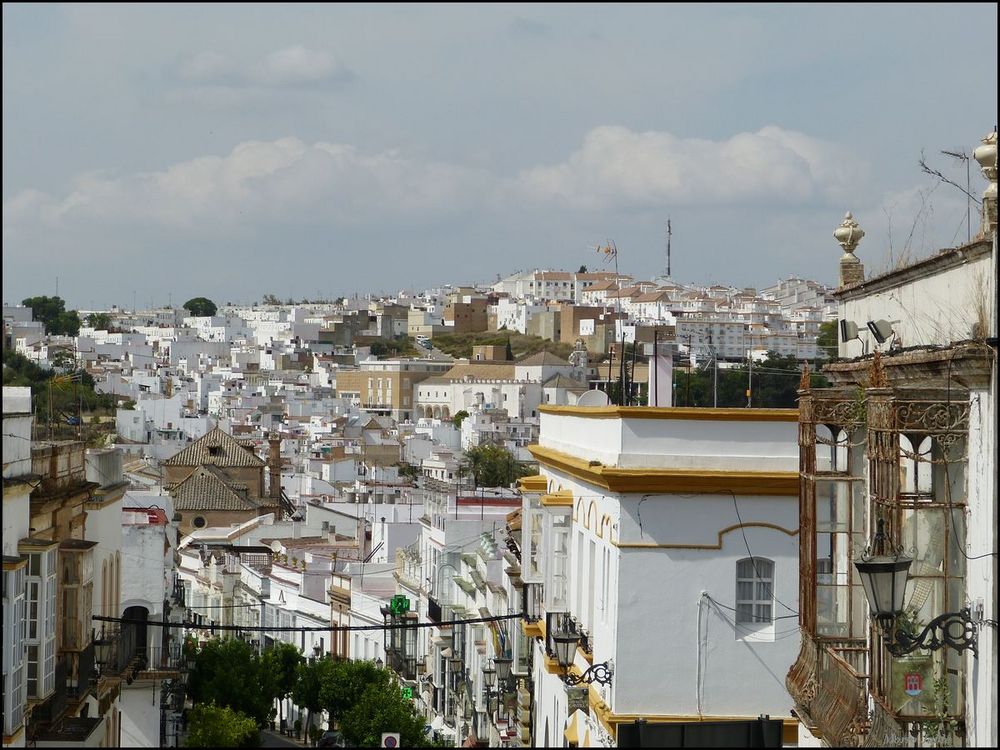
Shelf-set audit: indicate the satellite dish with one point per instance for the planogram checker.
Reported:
(594, 398)
(276, 547)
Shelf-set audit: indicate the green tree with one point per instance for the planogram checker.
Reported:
(583, 269)
(459, 417)
(310, 678)
(201, 307)
(508, 352)
(380, 708)
(228, 672)
(408, 470)
(492, 465)
(99, 321)
(52, 312)
(280, 663)
(271, 299)
(218, 726)
(827, 342)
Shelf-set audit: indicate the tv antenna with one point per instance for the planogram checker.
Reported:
(668, 248)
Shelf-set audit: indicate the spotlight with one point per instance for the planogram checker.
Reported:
(881, 330)
(848, 331)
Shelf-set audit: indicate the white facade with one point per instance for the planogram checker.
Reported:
(664, 547)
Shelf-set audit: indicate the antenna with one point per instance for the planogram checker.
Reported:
(668, 248)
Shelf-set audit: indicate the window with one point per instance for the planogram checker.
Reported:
(199, 522)
(755, 591)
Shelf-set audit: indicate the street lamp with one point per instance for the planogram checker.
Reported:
(489, 676)
(884, 575)
(565, 647)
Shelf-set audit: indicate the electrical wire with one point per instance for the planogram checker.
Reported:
(308, 629)
(753, 560)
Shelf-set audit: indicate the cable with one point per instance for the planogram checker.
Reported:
(733, 609)
(753, 560)
(305, 629)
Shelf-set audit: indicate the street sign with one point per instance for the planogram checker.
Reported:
(408, 693)
(577, 698)
(390, 739)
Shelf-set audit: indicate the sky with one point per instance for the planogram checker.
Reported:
(153, 153)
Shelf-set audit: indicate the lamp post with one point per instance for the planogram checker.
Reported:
(565, 647)
(884, 572)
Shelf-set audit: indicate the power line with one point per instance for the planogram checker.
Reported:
(307, 629)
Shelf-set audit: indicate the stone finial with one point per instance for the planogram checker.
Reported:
(986, 155)
(849, 234)
(805, 381)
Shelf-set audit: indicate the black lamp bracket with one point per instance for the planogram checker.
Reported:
(955, 629)
(599, 673)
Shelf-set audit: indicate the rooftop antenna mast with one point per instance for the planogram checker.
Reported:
(668, 248)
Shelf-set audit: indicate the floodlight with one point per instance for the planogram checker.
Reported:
(848, 331)
(881, 330)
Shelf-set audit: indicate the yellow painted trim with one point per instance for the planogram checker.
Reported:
(536, 483)
(551, 665)
(533, 629)
(784, 483)
(15, 565)
(654, 545)
(674, 412)
(562, 498)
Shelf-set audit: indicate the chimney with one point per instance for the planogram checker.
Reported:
(274, 467)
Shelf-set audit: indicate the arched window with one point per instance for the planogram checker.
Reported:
(755, 591)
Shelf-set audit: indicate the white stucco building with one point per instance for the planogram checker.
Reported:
(665, 538)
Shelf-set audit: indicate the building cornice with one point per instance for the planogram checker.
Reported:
(670, 481)
(938, 263)
(673, 412)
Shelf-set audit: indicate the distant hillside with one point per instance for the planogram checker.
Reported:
(460, 344)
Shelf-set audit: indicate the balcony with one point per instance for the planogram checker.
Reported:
(404, 666)
(433, 609)
(831, 696)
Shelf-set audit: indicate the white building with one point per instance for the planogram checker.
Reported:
(665, 538)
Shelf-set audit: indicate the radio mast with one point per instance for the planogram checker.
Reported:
(668, 248)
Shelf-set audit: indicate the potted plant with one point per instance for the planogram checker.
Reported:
(297, 727)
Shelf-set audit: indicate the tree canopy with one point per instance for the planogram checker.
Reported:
(827, 339)
(774, 382)
(492, 465)
(228, 672)
(201, 307)
(52, 313)
(99, 321)
(280, 663)
(218, 726)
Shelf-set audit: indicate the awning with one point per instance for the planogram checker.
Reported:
(576, 725)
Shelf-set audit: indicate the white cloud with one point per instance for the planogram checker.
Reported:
(616, 167)
(284, 68)
(285, 180)
(297, 65)
(288, 181)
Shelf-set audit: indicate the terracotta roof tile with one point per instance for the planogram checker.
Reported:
(218, 448)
